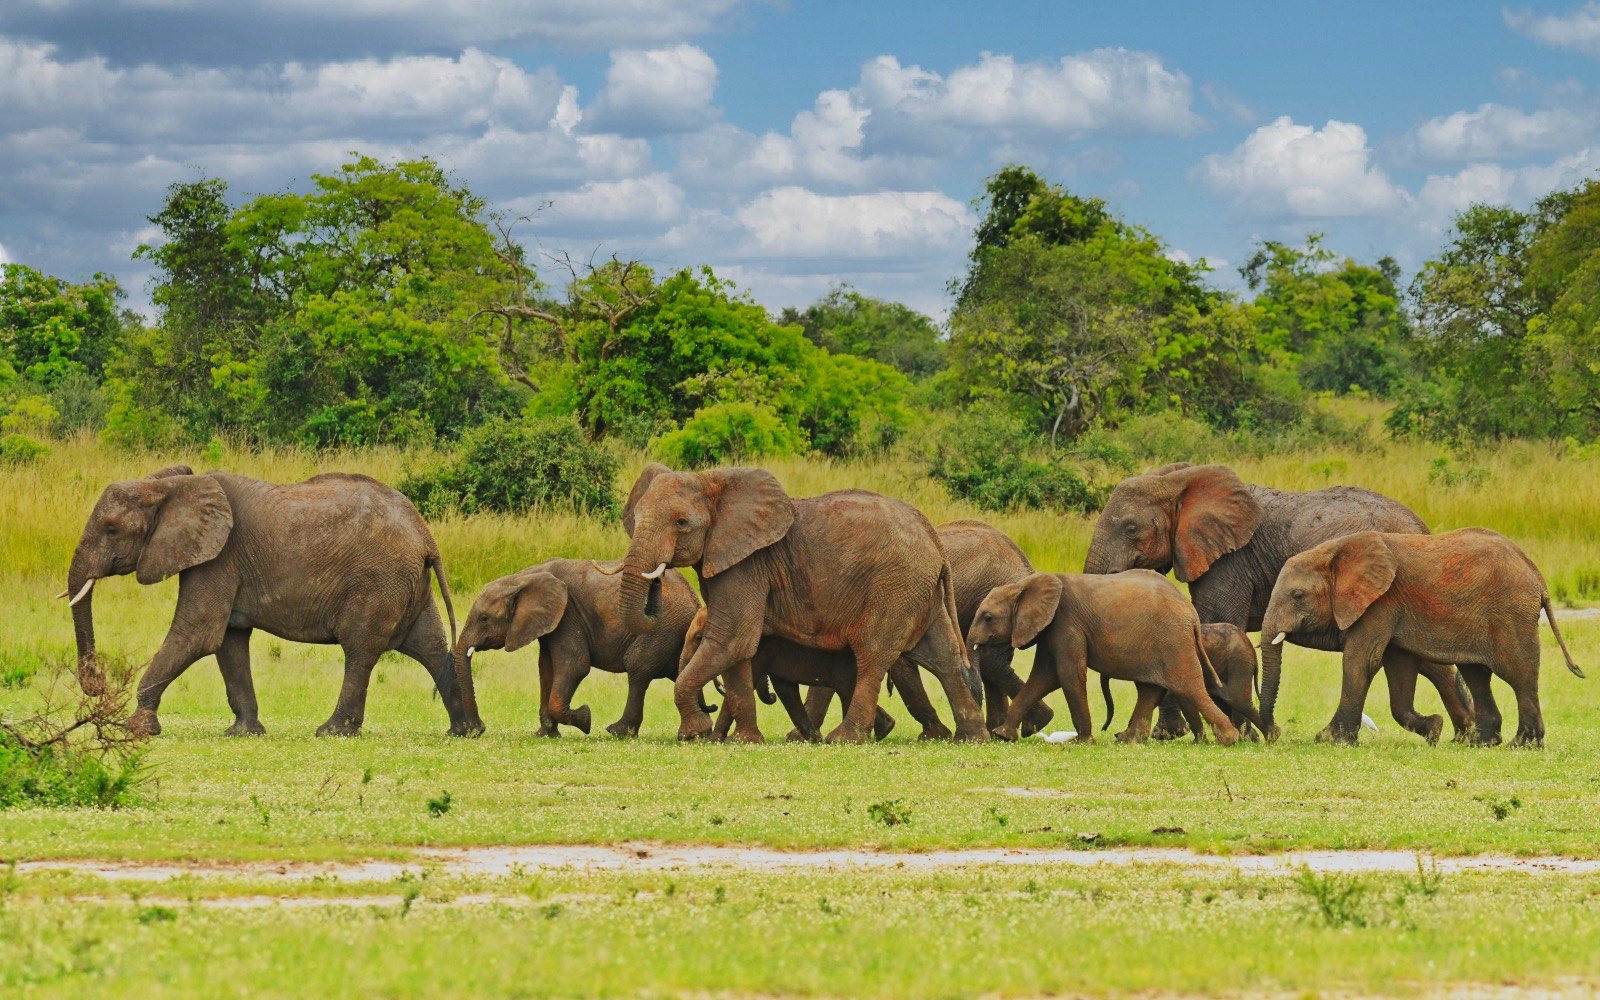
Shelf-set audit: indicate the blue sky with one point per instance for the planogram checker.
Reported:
(798, 145)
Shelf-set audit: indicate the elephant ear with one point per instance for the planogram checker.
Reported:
(169, 471)
(1216, 514)
(193, 520)
(641, 484)
(540, 604)
(1037, 604)
(1171, 467)
(1363, 569)
(752, 511)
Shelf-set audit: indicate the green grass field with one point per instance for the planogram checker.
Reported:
(1019, 931)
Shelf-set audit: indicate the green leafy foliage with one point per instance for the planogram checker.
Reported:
(19, 449)
(847, 322)
(512, 466)
(983, 457)
(728, 433)
(51, 329)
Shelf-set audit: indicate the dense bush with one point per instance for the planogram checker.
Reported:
(511, 466)
(726, 434)
(19, 449)
(983, 457)
(63, 776)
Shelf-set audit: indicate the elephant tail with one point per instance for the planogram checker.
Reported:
(1549, 615)
(1111, 706)
(1213, 682)
(437, 564)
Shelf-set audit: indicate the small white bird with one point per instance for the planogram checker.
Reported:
(1060, 736)
(1367, 723)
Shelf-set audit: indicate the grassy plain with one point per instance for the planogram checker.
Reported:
(289, 796)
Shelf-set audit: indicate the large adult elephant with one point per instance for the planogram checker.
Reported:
(847, 570)
(336, 559)
(982, 557)
(1228, 540)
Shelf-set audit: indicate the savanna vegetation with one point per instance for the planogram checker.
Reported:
(386, 321)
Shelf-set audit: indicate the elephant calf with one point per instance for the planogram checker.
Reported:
(338, 559)
(571, 607)
(1469, 597)
(1135, 626)
(1233, 659)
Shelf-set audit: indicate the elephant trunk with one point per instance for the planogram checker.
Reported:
(80, 589)
(1273, 633)
(642, 569)
(462, 655)
(1097, 561)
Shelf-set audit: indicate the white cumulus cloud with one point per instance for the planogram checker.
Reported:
(1495, 130)
(1287, 170)
(1444, 195)
(796, 222)
(656, 91)
(1578, 29)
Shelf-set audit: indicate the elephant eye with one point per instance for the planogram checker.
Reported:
(1131, 528)
(111, 529)
(683, 522)
(1298, 595)
(988, 616)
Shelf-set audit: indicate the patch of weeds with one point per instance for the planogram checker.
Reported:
(715, 820)
(827, 907)
(720, 896)
(75, 750)
(1447, 472)
(550, 911)
(1337, 899)
(440, 805)
(996, 817)
(890, 812)
(1500, 807)
(148, 915)
(410, 897)
(265, 814)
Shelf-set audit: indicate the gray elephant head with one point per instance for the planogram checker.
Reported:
(1180, 517)
(713, 520)
(510, 613)
(1015, 613)
(1326, 587)
(157, 526)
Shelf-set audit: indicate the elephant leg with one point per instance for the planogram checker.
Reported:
(995, 666)
(176, 655)
(428, 644)
(788, 693)
(862, 709)
(1245, 716)
(1041, 682)
(1139, 726)
(742, 696)
(908, 681)
(547, 681)
(1487, 713)
(233, 660)
(569, 674)
(1400, 670)
(1170, 723)
(351, 710)
(633, 712)
(1363, 654)
(1519, 667)
(943, 653)
(1453, 693)
(724, 723)
(708, 662)
(1196, 722)
(817, 701)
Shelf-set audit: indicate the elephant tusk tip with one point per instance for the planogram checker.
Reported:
(64, 593)
(655, 574)
(1278, 639)
(81, 593)
(470, 651)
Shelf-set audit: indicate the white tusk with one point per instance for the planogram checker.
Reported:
(607, 572)
(1279, 640)
(470, 651)
(656, 574)
(82, 593)
(64, 593)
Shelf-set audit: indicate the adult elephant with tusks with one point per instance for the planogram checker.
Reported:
(1228, 539)
(339, 559)
(847, 570)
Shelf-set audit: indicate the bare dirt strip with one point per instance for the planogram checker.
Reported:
(650, 857)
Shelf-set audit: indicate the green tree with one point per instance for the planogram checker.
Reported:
(52, 329)
(847, 322)
(1563, 277)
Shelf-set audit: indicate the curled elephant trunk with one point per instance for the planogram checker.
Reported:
(80, 589)
(640, 601)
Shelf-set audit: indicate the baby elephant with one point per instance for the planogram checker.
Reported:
(1468, 597)
(570, 605)
(1134, 626)
(1233, 657)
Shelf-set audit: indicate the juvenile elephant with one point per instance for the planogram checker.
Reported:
(1134, 626)
(982, 557)
(848, 570)
(1227, 539)
(573, 608)
(1469, 597)
(336, 559)
(1233, 657)
(782, 665)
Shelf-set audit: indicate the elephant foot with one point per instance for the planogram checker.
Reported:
(1273, 733)
(339, 727)
(796, 736)
(143, 723)
(548, 730)
(742, 734)
(623, 730)
(1170, 730)
(1464, 734)
(578, 717)
(883, 726)
(241, 727)
(974, 733)
(1528, 738)
(1432, 729)
(1006, 733)
(695, 727)
(467, 727)
(1130, 736)
(1226, 738)
(1037, 719)
(1337, 735)
(936, 731)
(846, 733)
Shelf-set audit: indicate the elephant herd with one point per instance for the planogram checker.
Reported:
(840, 593)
